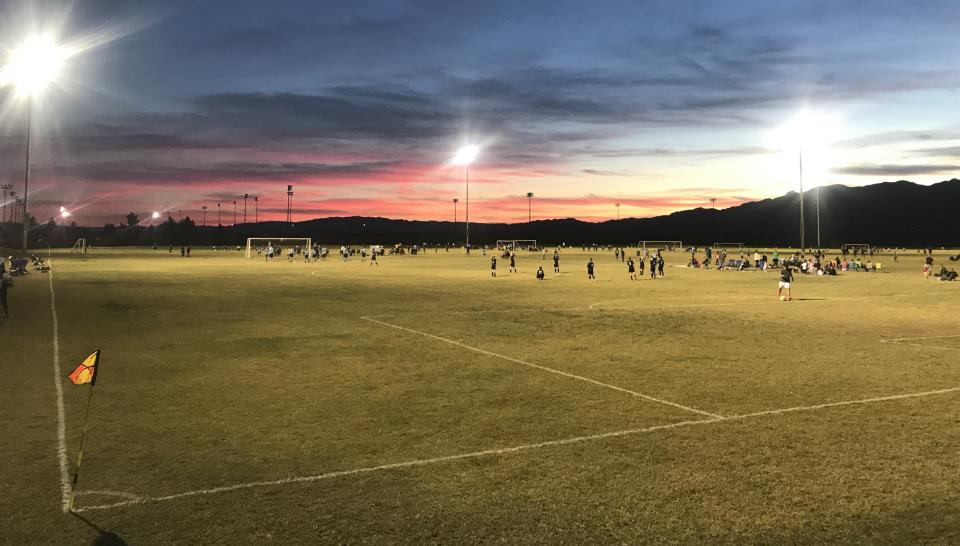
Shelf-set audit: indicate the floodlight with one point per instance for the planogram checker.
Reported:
(466, 155)
(64, 214)
(156, 215)
(33, 65)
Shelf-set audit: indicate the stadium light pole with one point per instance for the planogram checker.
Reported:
(529, 206)
(256, 209)
(455, 201)
(245, 207)
(805, 132)
(234, 213)
(219, 223)
(465, 156)
(289, 203)
(204, 208)
(803, 231)
(6, 188)
(31, 67)
(618, 211)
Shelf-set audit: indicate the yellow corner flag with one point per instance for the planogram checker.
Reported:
(86, 372)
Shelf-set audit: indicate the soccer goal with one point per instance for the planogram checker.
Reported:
(660, 245)
(517, 244)
(258, 246)
(80, 247)
(855, 248)
(737, 247)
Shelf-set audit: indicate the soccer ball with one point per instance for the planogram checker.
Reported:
(783, 298)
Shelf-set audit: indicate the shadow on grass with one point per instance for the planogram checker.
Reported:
(104, 537)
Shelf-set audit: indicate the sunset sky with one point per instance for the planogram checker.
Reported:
(657, 105)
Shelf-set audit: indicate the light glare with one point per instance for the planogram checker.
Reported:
(35, 64)
(466, 155)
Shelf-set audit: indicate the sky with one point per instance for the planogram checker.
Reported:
(360, 106)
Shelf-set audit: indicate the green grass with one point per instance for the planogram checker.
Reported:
(219, 371)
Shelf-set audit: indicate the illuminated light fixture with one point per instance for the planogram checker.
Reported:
(466, 155)
(35, 64)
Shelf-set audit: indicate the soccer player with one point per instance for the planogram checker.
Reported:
(556, 262)
(631, 269)
(6, 281)
(373, 258)
(540, 273)
(786, 277)
(513, 262)
(653, 266)
(590, 269)
(659, 263)
(493, 266)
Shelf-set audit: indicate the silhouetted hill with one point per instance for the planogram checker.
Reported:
(891, 213)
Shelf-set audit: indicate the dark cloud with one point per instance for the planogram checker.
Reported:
(945, 152)
(896, 170)
(137, 172)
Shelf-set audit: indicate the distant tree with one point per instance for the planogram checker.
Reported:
(132, 219)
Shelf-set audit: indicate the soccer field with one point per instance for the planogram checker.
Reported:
(422, 401)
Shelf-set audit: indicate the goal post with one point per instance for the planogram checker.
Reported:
(729, 246)
(660, 245)
(80, 247)
(517, 244)
(855, 248)
(256, 246)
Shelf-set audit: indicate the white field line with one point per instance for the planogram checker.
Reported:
(481, 311)
(506, 451)
(917, 338)
(612, 305)
(923, 345)
(546, 369)
(906, 340)
(61, 414)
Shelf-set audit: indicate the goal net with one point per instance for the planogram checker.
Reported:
(517, 244)
(281, 246)
(738, 247)
(80, 247)
(660, 245)
(855, 248)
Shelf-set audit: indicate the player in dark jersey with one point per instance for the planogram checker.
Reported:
(631, 269)
(590, 274)
(540, 273)
(493, 266)
(556, 263)
(786, 277)
(653, 266)
(513, 262)
(659, 264)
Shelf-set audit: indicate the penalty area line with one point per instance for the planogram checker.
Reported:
(507, 450)
(546, 369)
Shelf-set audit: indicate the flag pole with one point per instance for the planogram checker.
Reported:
(86, 416)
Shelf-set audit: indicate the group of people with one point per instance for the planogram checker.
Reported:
(656, 264)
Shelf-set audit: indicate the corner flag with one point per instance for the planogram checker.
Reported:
(86, 372)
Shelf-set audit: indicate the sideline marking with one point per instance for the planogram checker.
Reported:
(544, 368)
(61, 419)
(904, 340)
(508, 450)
